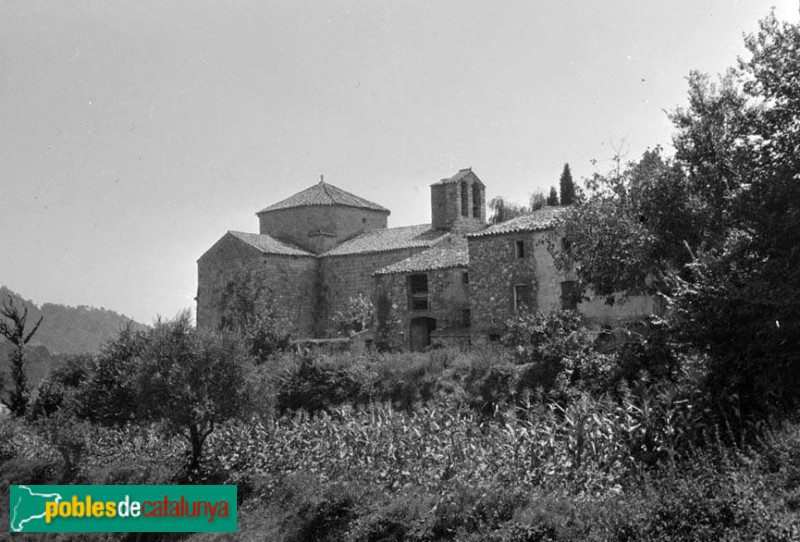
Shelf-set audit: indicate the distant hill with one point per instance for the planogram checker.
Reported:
(71, 330)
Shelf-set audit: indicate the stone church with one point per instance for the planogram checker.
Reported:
(453, 281)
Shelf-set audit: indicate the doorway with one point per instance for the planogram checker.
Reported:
(420, 332)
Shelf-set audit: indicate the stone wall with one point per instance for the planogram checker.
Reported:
(288, 281)
(495, 269)
(319, 228)
(346, 276)
(448, 298)
(446, 205)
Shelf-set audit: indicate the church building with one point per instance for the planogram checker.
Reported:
(453, 281)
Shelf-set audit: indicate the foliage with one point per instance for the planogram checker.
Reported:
(503, 210)
(740, 299)
(267, 333)
(542, 335)
(356, 316)
(316, 384)
(630, 229)
(552, 197)
(14, 328)
(108, 394)
(191, 380)
(390, 337)
(248, 308)
(537, 201)
(566, 187)
(59, 389)
(716, 230)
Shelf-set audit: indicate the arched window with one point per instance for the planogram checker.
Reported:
(476, 201)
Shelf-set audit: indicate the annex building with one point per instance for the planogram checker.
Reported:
(455, 280)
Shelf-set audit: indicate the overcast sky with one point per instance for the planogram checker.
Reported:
(134, 134)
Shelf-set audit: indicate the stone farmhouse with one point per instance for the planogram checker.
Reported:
(453, 281)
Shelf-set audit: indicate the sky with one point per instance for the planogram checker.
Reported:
(135, 133)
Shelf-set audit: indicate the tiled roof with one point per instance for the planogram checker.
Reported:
(542, 219)
(450, 252)
(462, 173)
(384, 240)
(324, 193)
(269, 245)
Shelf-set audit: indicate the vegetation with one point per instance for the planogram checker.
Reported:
(715, 229)
(552, 197)
(677, 428)
(67, 331)
(14, 328)
(566, 187)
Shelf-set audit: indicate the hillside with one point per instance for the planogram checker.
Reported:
(71, 330)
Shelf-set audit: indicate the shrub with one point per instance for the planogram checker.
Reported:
(356, 316)
(546, 336)
(60, 387)
(316, 384)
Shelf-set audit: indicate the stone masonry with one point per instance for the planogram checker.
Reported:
(455, 279)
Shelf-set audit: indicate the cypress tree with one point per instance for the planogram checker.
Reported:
(552, 199)
(567, 187)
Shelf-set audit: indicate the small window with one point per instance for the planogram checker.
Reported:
(465, 318)
(523, 297)
(520, 249)
(570, 295)
(418, 292)
(465, 277)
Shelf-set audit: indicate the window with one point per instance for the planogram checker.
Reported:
(570, 295)
(465, 278)
(464, 198)
(523, 297)
(476, 201)
(465, 318)
(418, 292)
(520, 249)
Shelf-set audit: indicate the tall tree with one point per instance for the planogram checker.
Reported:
(567, 187)
(552, 198)
(719, 225)
(13, 328)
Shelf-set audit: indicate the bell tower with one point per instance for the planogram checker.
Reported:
(458, 204)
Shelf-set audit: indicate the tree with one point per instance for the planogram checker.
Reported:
(249, 309)
(552, 199)
(740, 145)
(538, 200)
(567, 187)
(108, 393)
(716, 230)
(192, 380)
(503, 210)
(14, 330)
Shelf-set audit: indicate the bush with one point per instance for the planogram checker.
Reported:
(316, 384)
(60, 387)
(543, 336)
